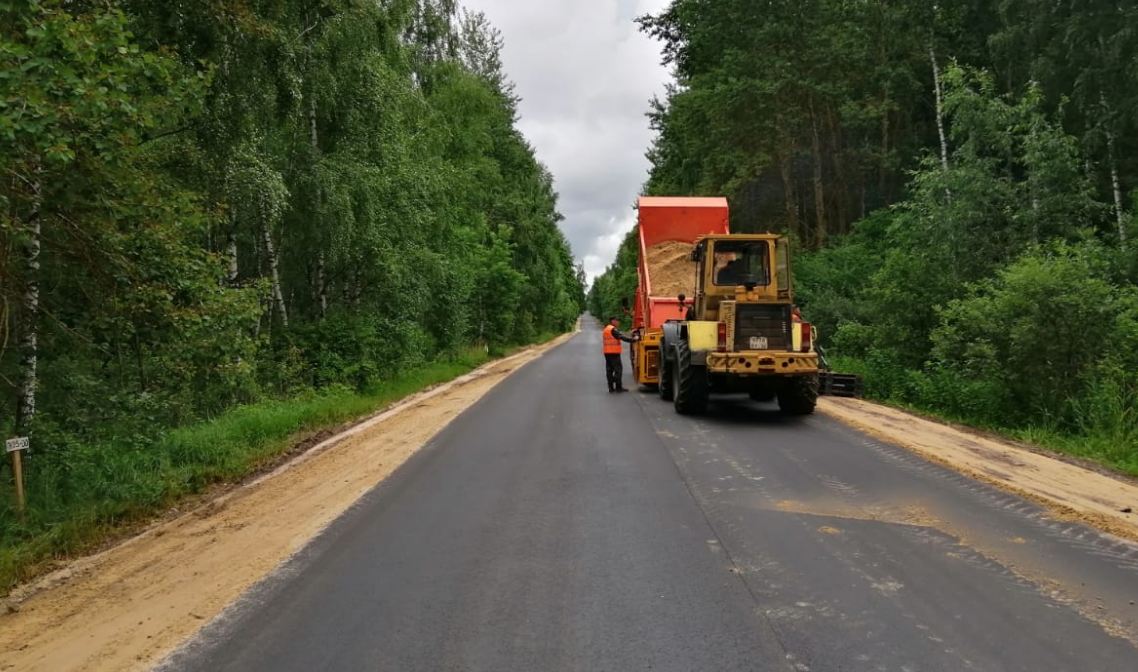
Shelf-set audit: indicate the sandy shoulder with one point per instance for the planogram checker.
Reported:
(1070, 491)
(127, 607)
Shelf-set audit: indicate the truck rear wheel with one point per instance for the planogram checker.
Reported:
(689, 383)
(799, 396)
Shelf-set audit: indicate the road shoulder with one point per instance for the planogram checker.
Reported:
(1070, 491)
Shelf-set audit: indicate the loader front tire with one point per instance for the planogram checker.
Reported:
(799, 395)
(689, 383)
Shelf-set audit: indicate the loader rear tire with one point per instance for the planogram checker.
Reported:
(799, 396)
(666, 373)
(689, 383)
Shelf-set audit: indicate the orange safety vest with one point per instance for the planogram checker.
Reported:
(611, 343)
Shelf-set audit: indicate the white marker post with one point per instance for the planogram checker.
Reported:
(15, 447)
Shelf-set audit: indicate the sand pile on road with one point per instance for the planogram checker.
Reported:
(670, 269)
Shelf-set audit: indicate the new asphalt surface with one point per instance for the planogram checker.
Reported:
(554, 526)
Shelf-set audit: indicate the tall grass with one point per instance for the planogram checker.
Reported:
(1106, 426)
(77, 502)
(1118, 453)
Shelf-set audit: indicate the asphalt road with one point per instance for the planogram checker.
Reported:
(556, 527)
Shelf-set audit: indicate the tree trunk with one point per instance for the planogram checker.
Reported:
(321, 278)
(939, 92)
(1035, 219)
(884, 195)
(883, 167)
(140, 363)
(29, 313)
(321, 285)
(841, 194)
(819, 187)
(790, 198)
(231, 272)
(357, 289)
(313, 139)
(274, 273)
(1116, 186)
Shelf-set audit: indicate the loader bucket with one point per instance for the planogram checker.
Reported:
(840, 384)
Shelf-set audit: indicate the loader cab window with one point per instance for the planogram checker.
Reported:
(782, 263)
(741, 263)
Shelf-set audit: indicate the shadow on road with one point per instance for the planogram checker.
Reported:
(729, 410)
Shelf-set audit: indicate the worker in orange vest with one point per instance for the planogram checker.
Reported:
(610, 339)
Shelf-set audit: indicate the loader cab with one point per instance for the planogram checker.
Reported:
(742, 268)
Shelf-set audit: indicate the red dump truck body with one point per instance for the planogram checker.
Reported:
(671, 219)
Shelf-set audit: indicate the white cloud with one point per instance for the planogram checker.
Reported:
(585, 75)
(605, 245)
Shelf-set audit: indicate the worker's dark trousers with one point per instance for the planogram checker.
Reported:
(614, 371)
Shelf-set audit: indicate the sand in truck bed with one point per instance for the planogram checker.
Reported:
(670, 269)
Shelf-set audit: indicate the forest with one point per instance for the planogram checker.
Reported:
(961, 183)
(224, 222)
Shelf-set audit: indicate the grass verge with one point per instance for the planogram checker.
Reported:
(107, 490)
(1117, 453)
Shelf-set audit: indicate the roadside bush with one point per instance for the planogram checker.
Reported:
(830, 283)
(884, 378)
(1032, 332)
(946, 391)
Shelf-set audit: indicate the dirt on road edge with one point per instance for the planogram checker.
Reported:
(127, 607)
(1069, 491)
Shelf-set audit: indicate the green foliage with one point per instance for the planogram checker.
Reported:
(947, 302)
(615, 290)
(990, 279)
(1032, 332)
(834, 280)
(241, 202)
(805, 114)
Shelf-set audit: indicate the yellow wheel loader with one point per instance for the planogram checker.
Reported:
(738, 330)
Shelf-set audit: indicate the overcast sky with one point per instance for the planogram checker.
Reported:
(585, 75)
